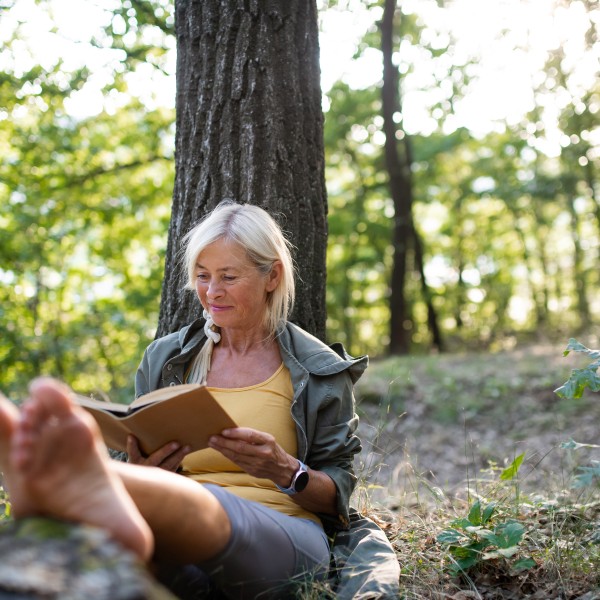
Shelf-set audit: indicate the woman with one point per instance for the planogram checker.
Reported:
(248, 512)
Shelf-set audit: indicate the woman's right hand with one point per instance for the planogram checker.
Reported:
(168, 457)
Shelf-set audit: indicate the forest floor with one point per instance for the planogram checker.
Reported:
(443, 432)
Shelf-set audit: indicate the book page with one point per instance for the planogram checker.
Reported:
(101, 404)
(162, 394)
(189, 418)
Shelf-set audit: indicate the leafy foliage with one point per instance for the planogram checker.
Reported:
(487, 534)
(574, 388)
(84, 208)
(581, 379)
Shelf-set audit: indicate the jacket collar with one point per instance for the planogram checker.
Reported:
(316, 357)
(191, 335)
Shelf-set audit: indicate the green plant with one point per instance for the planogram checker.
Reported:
(482, 536)
(487, 533)
(573, 388)
(580, 379)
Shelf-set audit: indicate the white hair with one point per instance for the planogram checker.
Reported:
(261, 237)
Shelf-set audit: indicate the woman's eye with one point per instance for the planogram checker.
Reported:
(202, 276)
(228, 278)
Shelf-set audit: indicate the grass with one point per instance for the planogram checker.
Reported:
(501, 530)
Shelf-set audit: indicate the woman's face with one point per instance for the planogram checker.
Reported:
(231, 288)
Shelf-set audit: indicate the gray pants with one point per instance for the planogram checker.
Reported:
(267, 555)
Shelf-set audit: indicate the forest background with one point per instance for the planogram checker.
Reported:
(499, 105)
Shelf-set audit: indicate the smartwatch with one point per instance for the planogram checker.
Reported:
(299, 481)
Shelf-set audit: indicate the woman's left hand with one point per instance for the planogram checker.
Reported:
(257, 453)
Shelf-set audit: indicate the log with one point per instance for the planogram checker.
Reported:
(50, 559)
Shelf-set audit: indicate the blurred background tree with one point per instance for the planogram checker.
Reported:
(505, 204)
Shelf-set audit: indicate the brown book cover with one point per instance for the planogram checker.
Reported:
(186, 413)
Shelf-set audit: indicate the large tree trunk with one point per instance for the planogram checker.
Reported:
(250, 128)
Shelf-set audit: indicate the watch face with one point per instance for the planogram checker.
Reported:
(301, 481)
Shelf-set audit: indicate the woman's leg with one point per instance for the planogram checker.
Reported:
(55, 464)
(188, 522)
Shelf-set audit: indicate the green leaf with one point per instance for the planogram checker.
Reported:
(509, 534)
(523, 565)
(464, 564)
(475, 514)
(501, 553)
(488, 511)
(461, 523)
(451, 536)
(511, 471)
(579, 380)
(573, 445)
(576, 346)
(486, 534)
(587, 476)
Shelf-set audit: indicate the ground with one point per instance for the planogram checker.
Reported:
(442, 422)
(439, 431)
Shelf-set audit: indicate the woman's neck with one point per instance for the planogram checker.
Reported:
(244, 342)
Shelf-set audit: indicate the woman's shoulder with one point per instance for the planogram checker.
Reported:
(316, 356)
(177, 340)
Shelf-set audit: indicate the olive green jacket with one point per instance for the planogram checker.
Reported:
(363, 562)
(322, 407)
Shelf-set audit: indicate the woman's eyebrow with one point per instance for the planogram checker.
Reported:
(227, 268)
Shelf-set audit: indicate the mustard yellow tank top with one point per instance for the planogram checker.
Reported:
(265, 407)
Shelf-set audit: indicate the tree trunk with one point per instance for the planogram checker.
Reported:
(400, 189)
(250, 128)
(437, 340)
(579, 276)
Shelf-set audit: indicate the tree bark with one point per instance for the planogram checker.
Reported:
(399, 160)
(250, 128)
(400, 189)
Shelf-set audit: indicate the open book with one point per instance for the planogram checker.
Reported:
(187, 414)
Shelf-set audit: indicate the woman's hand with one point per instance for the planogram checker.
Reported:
(168, 457)
(257, 453)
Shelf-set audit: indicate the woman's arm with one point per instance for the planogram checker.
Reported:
(257, 453)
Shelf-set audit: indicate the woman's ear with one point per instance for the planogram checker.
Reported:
(274, 276)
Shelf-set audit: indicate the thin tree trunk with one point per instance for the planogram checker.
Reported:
(400, 189)
(432, 320)
(583, 307)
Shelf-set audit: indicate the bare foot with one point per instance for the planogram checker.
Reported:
(61, 469)
(9, 417)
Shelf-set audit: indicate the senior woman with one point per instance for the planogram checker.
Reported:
(246, 516)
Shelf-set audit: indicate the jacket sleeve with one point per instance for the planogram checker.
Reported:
(335, 443)
(142, 385)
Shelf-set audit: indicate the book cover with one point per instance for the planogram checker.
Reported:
(187, 414)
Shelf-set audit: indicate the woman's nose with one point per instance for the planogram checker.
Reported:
(214, 289)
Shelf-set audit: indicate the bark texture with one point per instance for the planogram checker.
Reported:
(250, 129)
(44, 558)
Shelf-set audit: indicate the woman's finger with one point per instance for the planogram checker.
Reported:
(134, 454)
(173, 462)
(158, 457)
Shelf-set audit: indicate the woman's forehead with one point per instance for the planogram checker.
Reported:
(223, 254)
